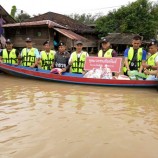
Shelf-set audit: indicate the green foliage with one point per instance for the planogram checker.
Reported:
(19, 17)
(138, 17)
(22, 17)
(13, 11)
(85, 18)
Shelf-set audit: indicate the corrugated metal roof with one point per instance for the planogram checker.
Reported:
(35, 23)
(71, 34)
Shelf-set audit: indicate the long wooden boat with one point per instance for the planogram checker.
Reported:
(27, 72)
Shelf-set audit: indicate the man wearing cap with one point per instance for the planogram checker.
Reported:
(9, 54)
(134, 56)
(151, 65)
(106, 51)
(30, 56)
(61, 58)
(77, 58)
(47, 56)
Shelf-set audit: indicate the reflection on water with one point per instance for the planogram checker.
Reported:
(53, 120)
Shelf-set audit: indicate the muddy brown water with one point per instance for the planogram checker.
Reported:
(53, 120)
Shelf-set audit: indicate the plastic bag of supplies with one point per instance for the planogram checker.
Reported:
(135, 75)
(102, 73)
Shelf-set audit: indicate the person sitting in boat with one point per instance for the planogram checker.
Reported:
(106, 50)
(77, 58)
(47, 56)
(151, 65)
(30, 56)
(9, 54)
(61, 58)
(134, 56)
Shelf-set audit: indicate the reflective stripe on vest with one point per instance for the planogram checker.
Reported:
(10, 58)
(130, 57)
(78, 63)
(28, 58)
(107, 54)
(47, 59)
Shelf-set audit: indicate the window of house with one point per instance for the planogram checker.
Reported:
(37, 32)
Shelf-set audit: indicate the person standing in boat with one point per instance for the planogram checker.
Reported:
(9, 54)
(134, 56)
(77, 58)
(61, 58)
(47, 56)
(106, 50)
(151, 65)
(30, 56)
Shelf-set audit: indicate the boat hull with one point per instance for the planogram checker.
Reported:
(34, 73)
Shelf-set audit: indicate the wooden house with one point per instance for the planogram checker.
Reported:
(54, 27)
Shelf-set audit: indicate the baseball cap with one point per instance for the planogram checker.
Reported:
(153, 42)
(8, 41)
(61, 44)
(46, 42)
(28, 39)
(79, 42)
(104, 40)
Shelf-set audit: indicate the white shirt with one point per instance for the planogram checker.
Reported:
(156, 58)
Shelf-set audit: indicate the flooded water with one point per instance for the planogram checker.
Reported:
(53, 120)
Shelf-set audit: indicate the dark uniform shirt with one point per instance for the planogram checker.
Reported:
(61, 60)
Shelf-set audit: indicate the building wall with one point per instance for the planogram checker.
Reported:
(41, 34)
(38, 35)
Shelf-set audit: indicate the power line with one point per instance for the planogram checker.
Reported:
(104, 8)
(96, 9)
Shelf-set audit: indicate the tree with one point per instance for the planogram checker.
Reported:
(85, 18)
(137, 17)
(13, 11)
(22, 17)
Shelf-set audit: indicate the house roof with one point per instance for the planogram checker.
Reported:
(4, 14)
(64, 21)
(34, 23)
(70, 34)
(120, 38)
(50, 24)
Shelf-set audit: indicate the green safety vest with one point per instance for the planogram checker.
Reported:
(130, 57)
(107, 54)
(151, 60)
(10, 58)
(78, 63)
(28, 58)
(47, 59)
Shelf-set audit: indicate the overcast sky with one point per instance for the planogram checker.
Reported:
(67, 7)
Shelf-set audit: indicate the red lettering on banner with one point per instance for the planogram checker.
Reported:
(113, 63)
